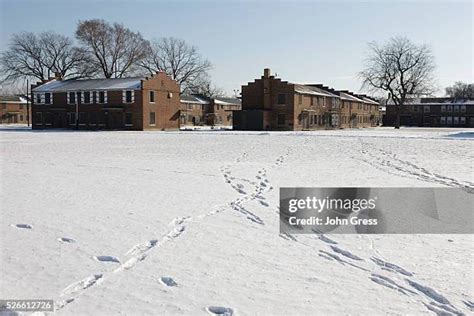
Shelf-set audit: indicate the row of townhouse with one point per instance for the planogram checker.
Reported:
(433, 112)
(14, 109)
(138, 103)
(201, 110)
(268, 103)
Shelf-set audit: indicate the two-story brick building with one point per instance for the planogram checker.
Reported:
(269, 103)
(433, 112)
(139, 103)
(14, 109)
(197, 109)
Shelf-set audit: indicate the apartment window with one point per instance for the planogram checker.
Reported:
(152, 118)
(300, 99)
(449, 120)
(281, 119)
(39, 118)
(443, 108)
(21, 117)
(456, 108)
(47, 98)
(48, 118)
(101, 97)
(72, 97)
(312, 100)
(443, 120)
(72, 118)
(281, 98)
(152, 96)
(463, 109)
(127, 96)
(450, 108)
(93, 118)
(128, 119)
(170, 95)
(87, 97)
(462, 120)
(426, 109)
(82, 118)
(456, 120)
(21, 106)
(38, 98)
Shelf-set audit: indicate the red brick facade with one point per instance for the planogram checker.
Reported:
(151, 104)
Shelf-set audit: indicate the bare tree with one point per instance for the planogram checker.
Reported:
(115, 49)
(181, 61)
(461, 90)
(204, 86)
(39, 56)
(401, 68)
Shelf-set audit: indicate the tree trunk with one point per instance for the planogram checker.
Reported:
(397, 117)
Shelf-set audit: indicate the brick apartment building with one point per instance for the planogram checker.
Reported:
(200, 110)
(14, 110)
(141, 103)
(433, 112)
(269, 103)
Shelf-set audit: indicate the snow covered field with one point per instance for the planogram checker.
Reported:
(172, 223)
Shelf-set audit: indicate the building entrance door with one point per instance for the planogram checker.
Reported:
(115, 120)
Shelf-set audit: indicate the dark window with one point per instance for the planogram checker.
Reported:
(312, 101)
(152, 118)
(72, 118)
(47, 98)
(87, 97)
(38, 98)
(152, 96)
(48, 118)
(101, 97)
(21, 106)
(72, 97)
(82, 118)
(93, 118)
(39, 118)
(128, 119)
(281, 119)
(21, 117)
(128, 96)
(281, 98)
(4, 106)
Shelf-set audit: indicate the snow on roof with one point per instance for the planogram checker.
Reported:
(185, 98)
(132, 83)
(227, 101)
(305, 89)
(347, 96)
(12, 99)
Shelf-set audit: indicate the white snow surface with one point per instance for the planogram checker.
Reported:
(160, 223)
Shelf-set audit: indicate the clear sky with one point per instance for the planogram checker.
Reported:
(301, 41)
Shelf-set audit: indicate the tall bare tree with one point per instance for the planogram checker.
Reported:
(42, 55)
(400, 68)
(181, 61)
(461, 90)
(115, 49)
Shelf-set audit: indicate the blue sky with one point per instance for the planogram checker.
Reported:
(301, 41)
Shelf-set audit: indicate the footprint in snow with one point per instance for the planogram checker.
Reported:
(25, 226)
(168, 281)
(66, 240)
(107, 259)
(220, 310)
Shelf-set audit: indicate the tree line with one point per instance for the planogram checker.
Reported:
(105, 50)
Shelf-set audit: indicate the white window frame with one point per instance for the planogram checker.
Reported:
(91, 96)
(97, 94)
(69, 97)
(124, 96)
(149, 96)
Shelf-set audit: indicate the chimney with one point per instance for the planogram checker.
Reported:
(57, 75)
(266, 73)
